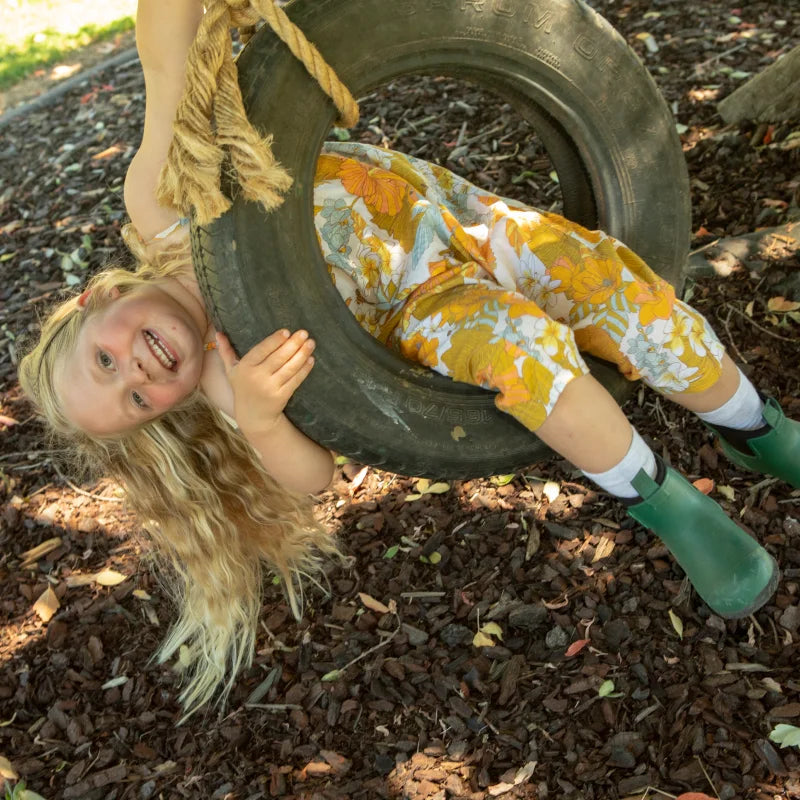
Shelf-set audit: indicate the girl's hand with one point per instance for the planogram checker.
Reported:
(266, 377)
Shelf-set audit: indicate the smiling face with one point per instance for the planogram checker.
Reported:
(135, 358)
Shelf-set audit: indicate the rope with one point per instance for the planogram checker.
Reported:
(211, 116)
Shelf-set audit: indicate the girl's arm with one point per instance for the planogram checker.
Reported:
(258, 387)
(165, 30)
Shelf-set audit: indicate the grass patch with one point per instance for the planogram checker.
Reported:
(45, 47)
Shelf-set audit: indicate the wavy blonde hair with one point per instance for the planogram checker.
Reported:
(216, 517)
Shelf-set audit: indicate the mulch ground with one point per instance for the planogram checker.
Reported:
(577, 596)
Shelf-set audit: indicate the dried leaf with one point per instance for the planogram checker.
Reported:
(781, 304)
(410, 497)
(604, 548)
(6, 770)
(551, 490)
(439, 488)
(339, 764)
(772, 685)
(457, 433)
(728, 492)
(748, 309)
(109, 577)
(141, 594)
(422, 485)
(704, 485)
(120, 680)
(576, 647)
(373, 604)
(677, 623)
(481, 640)
(492, 629)
(503, 480)
(47, 604)
(358, 480)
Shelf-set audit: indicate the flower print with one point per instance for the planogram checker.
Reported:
(551, 337)
(419, 348)
(338, 225)
(382, 191)
(595, 281)
(642, 352)
(655, 300)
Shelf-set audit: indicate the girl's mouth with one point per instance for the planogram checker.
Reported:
(158, 347)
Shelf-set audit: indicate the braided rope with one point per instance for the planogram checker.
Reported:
(211, 115)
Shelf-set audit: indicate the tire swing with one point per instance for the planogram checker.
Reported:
(610, 137)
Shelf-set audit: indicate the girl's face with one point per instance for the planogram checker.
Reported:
(135, 358)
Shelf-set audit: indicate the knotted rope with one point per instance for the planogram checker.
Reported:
(211, 120)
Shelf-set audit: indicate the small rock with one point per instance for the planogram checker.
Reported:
(528, 617)
(556, 638)
(616, 631)
(453, 635)
(621, 757)
(790, 619)
(147, 790)
(415, 635)
(384, 763)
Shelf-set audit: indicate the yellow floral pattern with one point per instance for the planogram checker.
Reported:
(489, 292)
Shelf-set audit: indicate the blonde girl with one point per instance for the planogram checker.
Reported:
(476, 287)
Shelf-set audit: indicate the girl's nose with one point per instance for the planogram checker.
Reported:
(139, 370)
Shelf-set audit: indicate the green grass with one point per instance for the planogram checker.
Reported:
(37, 33)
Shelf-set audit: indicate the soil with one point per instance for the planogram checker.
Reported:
(581, 596)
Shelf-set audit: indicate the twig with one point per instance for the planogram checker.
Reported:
(708, 777)
(371, 649)
(82, 491)
(731, 340)
(762, 328)
(275, 706)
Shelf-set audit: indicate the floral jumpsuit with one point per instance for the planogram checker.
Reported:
(487, 291)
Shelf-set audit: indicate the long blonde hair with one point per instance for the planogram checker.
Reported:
(215, 515)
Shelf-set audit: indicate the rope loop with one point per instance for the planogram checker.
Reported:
(210, 120)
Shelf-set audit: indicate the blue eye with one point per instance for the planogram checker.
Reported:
(104, 359)
(138, 400)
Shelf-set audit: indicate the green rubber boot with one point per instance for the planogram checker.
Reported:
(730, 570)
(774, 452)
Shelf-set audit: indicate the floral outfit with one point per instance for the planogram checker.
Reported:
(487, 291)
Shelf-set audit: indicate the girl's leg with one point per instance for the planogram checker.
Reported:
(502, 341)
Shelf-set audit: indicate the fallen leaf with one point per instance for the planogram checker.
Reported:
(109, 577)
(439, 488)
(358, 480)
(576, 647)
(704, 485)
(6, 770)
(481, 640)
(492, 629)
(781, 304)
(120, 680)
(457, 433)
(373, 604)
(786, 735)
(109, 152)
(728, 492)
(606, 688)
(47, 604)
(331, 676)
(677, 623)
(339, 764)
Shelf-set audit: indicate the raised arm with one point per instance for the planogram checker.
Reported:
(165, 30)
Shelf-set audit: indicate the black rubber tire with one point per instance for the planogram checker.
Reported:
(611, 139)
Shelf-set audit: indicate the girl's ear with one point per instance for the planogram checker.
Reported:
(114, 293)
(83, 299)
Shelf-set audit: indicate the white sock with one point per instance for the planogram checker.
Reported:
(742, 411)
(617, 480)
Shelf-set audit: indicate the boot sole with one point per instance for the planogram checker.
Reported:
(761, 598)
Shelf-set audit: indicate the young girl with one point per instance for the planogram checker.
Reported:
(480, 289)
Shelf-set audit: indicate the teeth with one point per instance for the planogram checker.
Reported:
(158, 350)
